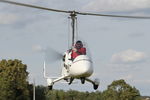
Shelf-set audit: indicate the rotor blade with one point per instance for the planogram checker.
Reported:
(80, 13)
(33, 6)
(109, 15)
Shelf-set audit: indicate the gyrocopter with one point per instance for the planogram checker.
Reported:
(76, 64)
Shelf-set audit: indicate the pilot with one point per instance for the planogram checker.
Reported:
(77, 50)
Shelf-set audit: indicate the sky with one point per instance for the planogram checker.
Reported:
(119, 47)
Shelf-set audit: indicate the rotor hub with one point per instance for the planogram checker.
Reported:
(73, 13)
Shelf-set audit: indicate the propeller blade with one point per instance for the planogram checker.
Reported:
(52, 55)
(33, 6)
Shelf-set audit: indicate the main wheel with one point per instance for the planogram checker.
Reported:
(95, 86)
(50, 87)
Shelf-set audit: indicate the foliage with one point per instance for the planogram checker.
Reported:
(14, 86)
(40, 93)
(120, 90)
(72, 95)
(13, 80)
(145, 97)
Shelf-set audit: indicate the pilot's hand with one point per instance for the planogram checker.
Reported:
(74, 49)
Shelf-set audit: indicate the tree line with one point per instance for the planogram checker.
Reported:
(14, 85)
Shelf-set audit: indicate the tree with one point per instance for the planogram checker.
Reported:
(40, 92)
(13, 80)
(72, 95)
(120, 90)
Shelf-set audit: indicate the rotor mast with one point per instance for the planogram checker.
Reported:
(73, 18)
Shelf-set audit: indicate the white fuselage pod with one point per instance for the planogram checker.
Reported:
(81, 67)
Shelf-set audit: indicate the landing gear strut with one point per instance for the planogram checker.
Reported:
(71, 80)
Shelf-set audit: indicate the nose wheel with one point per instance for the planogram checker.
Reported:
(82, 80)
